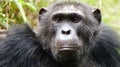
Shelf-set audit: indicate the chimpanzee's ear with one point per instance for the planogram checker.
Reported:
(97, 14)
(42, 11)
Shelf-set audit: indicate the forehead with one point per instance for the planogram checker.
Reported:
(69, 9)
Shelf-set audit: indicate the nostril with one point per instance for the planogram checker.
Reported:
(66, 32)
(63, 32)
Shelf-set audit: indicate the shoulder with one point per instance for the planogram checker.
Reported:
(20, 30)
(19, 34)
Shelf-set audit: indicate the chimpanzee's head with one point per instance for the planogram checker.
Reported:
(67, 29)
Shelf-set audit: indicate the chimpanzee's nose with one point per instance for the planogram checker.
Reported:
(66, 32)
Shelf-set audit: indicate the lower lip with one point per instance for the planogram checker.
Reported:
(68, 48)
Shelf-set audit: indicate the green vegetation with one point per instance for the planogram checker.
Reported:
(26, 11)
(110, 12)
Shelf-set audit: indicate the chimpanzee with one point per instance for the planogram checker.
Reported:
(69, 34)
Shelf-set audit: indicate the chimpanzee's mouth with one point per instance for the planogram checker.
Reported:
(68, 48)
(67, 53)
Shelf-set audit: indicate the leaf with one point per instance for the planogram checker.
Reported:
(29, 5)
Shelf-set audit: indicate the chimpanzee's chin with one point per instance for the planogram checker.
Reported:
(67, 55)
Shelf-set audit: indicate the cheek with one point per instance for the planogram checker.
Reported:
(53, 48)
(84, 33)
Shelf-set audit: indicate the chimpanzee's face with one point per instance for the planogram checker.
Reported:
(67, 31)
(67, 44)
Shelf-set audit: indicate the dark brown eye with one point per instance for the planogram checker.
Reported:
(75, 18)
(58, 18)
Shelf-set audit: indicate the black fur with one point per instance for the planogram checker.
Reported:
(104, 52)
(22, 48)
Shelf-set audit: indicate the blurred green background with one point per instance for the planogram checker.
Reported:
(26, 11)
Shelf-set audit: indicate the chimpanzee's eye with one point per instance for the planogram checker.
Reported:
(58, 18)
(75, 18)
